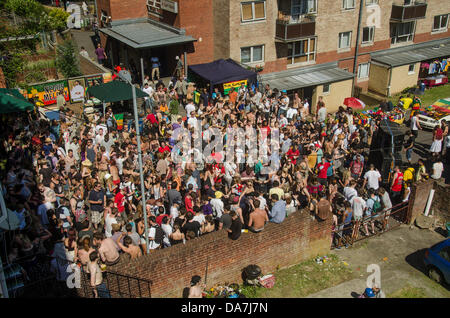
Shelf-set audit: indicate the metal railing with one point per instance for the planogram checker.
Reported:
(385, 221)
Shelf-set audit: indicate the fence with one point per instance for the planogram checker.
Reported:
(385, 221)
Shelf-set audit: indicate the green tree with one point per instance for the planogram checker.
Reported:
(66, 60)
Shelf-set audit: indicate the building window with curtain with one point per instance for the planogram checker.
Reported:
(402, 32)
(348, 4)
(440, 22)
(345, 39)
(302, 51)
(253, 11)
(300, 7)
(363, 70)
(252, 54)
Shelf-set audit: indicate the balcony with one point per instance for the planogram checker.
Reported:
(404, 13)
(289, 27)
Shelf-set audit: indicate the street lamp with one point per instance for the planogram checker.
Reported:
(125, 76)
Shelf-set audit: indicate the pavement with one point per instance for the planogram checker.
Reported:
(399, 253)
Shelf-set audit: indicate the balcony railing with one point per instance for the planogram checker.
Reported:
(404, 13)
(294, 27)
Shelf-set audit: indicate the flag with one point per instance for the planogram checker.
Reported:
(119, 121)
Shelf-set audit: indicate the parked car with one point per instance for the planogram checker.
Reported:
(437, 262)
(430, 123)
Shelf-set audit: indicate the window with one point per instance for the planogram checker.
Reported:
(252, 54)
(368, 33)
(348, 4)
(402, 32)
(408, 2)
(371, 2)
(326, 88)
(302, 51)
(440, 22)
(299, 7)
(363, 70)
(412, 68)
(345, 39)
(253, 11)
(445, 253)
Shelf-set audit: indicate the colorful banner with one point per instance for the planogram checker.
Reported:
(94, 80)
(233, 85)
(119, 121)
(47, 92)
(107, 77)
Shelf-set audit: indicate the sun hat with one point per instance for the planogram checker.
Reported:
(86, 163)
(107, 176)
(218, 194)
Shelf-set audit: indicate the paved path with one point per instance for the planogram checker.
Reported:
(84, 38)
(399, 253)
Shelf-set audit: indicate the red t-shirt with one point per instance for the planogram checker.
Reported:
(356, 167)
(323, 167)
(119, 199)
(152, 118)
(162, 150)
(188, 204)
(159, 218)
(293, 155)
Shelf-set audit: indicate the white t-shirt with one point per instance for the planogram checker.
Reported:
(109, 221)
(200, 218)
(414, 123)
(372, 179)
(151, 234)
(438, 167)
(262, 202)
(189, 108)
(217, 206)
(167, 228)
(291, 113)
(349, 193)
(322, 114)
(358, 206)
(149, 90)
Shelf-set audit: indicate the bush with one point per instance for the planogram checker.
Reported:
(66, 60)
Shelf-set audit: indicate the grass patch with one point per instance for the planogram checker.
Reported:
(429, 97)
(409, 292)
(303, 279)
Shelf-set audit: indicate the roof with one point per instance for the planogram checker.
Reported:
(306, 76)
(413, 53)
(114, 91)
(146, 33)
(11, 101)
(222, 71)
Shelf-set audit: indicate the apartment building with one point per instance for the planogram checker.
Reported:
(307, 46)
(296, 40)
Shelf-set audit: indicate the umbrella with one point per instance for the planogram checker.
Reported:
(12, 101)
(353, 102)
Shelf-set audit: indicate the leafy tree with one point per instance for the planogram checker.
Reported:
(66, 60)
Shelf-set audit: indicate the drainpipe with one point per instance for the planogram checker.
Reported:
(358, 35)
(389, 83)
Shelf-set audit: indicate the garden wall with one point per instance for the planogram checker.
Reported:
(298, 238)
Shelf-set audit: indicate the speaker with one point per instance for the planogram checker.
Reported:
(387, 133)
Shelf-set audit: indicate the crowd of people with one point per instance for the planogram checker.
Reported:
(75, 185)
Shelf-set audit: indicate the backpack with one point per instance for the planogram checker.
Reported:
(159, 235)
(376, 205)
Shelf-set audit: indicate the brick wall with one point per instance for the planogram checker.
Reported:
(274, 66)
(196, 17)
(280, 245)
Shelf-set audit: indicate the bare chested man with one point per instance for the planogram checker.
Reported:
(258, 218)
(128, 247)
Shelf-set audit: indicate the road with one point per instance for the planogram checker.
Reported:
(399, 253)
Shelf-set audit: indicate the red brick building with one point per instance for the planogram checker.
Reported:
(134, 31)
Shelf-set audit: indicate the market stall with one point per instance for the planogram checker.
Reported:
(225, 74)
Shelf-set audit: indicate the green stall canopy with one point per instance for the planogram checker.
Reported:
(114, 91)
(12, 101)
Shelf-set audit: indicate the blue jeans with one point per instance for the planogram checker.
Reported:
(408, 154)
(103, 291)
